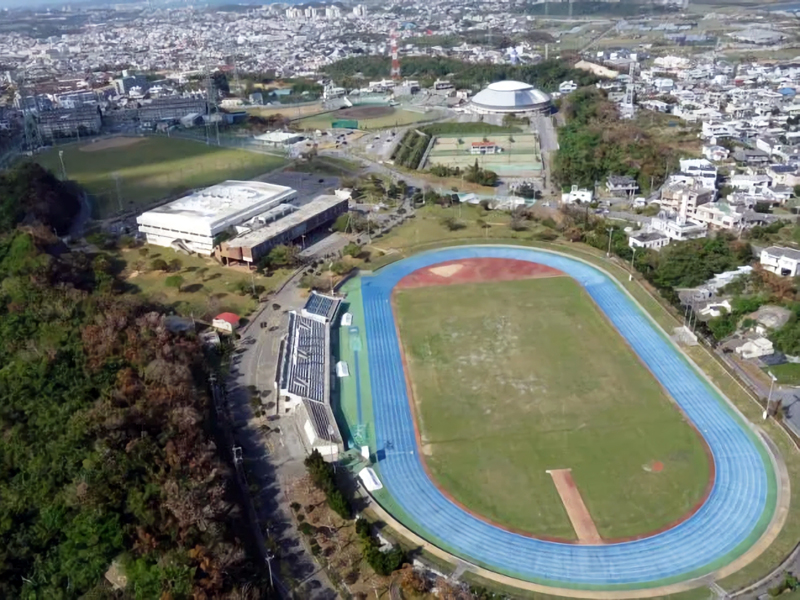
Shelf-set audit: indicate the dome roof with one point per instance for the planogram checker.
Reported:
(511, 96)
(509, 86)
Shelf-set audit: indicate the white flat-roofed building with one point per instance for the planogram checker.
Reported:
(651, 240)
(781, 261)
(195, 220)
(678, 228)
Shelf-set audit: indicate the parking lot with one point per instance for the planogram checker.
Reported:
(308, 186)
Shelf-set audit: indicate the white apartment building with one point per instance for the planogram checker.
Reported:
(718, 215)
(781, 261)
(755, 185)
(702, 170)
(678, 228)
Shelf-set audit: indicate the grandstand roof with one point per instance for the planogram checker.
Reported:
(322, 306)
(321, 420)
(304, 370)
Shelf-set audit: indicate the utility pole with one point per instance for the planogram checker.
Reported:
(610, 231)
(630, 276)
(115, 175)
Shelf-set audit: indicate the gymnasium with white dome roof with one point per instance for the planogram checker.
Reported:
(510, 97)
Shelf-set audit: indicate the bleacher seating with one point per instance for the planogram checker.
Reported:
(306, 360)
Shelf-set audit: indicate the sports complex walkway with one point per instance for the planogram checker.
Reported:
(738, 511)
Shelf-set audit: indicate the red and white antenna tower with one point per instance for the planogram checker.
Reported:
(395, 73)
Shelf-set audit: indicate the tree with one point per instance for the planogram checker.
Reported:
(175, 265)
(796, 191)
(341, 223)
(159, 264)
(174, 281)
(352, 249)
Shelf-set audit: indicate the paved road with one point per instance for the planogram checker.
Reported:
(547, 133)
(274, 460)
(789, 396)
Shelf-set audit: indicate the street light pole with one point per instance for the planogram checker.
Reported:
(771, 386)
(610, 231)
(630, 276)
(63, 168)
(270, 556)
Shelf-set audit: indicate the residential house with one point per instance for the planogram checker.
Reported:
(577, 196)
(620, 185)
(717, 130)
(751, 157)
(754, 185)
(755, 348)
(651, 240)
(715, 153)
(784, 175)
(781, 261)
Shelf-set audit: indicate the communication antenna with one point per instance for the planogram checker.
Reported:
(395, 73)
(211, 102)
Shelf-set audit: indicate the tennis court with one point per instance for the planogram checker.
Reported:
(512, 155)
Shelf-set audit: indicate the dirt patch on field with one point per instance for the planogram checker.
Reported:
(476, 270)
(365, 112)
(108, 144)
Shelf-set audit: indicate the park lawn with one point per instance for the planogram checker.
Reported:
(290, 111)
(204, 294)
(153, 169)
(514, 378)
(427, 225)
(788, 373)
(398, 118)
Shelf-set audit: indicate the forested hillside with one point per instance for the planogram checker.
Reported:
(105, 440)
(350, 72)
(595, 143)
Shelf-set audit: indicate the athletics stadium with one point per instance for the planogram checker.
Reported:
(526, 416)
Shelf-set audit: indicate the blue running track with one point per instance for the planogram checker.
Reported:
(737, 510)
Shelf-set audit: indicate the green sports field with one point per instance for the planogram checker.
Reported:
(151, 169)
(520, 157)
(514, 378)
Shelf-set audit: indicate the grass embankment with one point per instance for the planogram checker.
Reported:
(151, 169)
(788, 373)
(208, 288)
